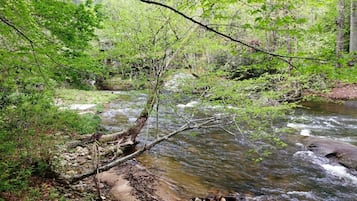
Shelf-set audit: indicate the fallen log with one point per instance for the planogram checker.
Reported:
(194, 124)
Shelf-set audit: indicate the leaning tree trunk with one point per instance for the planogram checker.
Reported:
(126, 137)
(134, 130)
(129, 136)
(340, 32)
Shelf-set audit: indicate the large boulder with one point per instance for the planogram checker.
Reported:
(344, 153)
(174, 83)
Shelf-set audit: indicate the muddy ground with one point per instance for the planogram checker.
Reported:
(342, 92)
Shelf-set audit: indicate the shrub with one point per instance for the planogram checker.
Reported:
(28, 124)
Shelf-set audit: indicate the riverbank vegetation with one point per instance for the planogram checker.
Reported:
(260, 56)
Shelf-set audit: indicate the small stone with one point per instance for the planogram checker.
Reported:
(63, 163)
(82, 151)
(71, 172)
(81, 161)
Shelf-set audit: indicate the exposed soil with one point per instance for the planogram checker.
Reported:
(131, 181)
(342, 92)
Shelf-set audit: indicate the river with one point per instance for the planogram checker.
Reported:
(195, 163)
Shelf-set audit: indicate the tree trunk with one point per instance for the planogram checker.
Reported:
(340, 32)
(353, 27)
(134, 130)
(288, 38)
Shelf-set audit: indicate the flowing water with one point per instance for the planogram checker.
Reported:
(194, 163)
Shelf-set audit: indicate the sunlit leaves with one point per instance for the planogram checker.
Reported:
(45, 39)
(72, 24)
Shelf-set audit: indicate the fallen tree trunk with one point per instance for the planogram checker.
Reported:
(128, 136)
(134, 130)
(195, 124)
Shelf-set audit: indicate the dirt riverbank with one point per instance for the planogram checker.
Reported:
(342, 92)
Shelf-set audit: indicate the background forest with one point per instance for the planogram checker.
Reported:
(282, 50)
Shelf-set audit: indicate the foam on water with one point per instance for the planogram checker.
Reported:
(305, 132)
(310, 126)
(334, 170)
(340, 172)
(333, 119)
(323, 122)
(188, 105)
(311, 156)
(308, 195)
(347, 139)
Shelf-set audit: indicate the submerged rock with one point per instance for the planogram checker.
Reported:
(344, 153)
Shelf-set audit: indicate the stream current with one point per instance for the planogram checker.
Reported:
(194, 163)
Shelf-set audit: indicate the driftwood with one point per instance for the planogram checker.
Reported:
(194, 124)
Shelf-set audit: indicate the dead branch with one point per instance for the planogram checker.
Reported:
(194, 124)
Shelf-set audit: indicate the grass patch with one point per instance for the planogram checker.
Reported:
(72, 96)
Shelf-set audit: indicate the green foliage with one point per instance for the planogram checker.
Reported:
(72, 24)
(321, 73)
(47, 40)
(45, 43)
(75, 96)
(255, 103)
(29, 122)
(84, 124)
(14, 176)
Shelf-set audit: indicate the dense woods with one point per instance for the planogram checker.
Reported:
(263, 56)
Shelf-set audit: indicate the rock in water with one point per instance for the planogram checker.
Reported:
(344, 153)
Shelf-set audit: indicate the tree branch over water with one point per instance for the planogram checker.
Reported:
(193, 124)
(279, 56)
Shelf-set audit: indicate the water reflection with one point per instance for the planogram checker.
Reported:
(343, 108)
